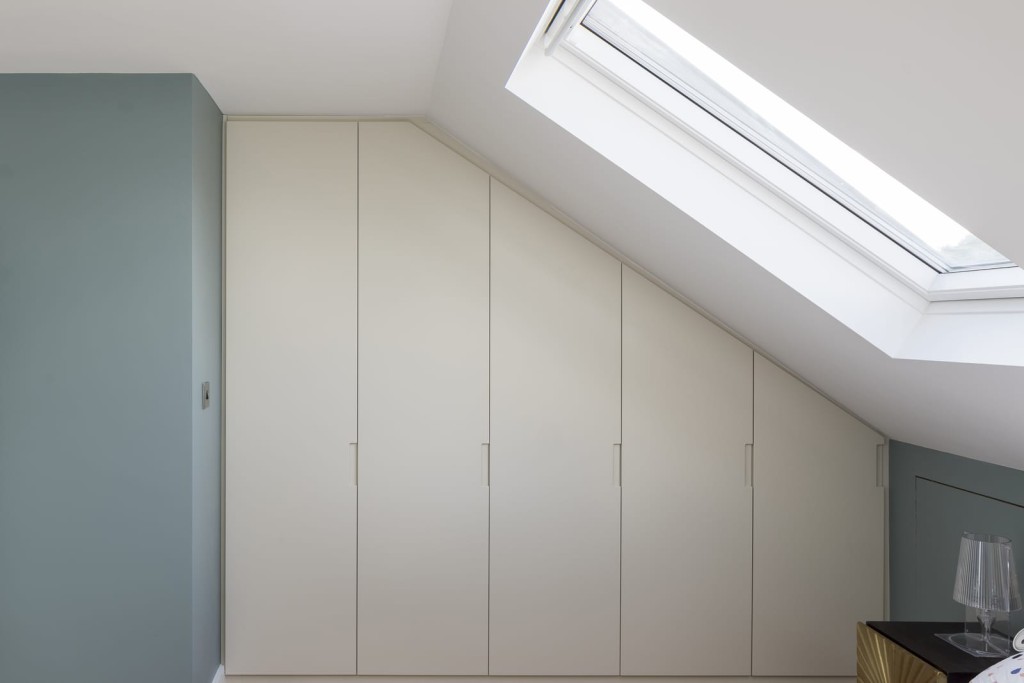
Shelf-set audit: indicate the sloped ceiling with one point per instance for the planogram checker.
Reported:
(927, 89)
(971, 410)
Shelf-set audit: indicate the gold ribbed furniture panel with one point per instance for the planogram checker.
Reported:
(879, 660)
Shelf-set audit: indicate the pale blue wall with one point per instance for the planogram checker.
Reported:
(98, 458)
(933, 498)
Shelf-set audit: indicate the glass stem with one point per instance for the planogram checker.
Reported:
(986, 618)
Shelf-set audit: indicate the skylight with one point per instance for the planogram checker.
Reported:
(697, 73)
(708, 161)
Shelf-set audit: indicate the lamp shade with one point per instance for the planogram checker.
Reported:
(986, 577)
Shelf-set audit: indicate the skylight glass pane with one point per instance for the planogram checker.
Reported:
(704, 77)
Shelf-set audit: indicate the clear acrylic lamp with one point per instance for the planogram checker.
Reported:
(986, 584)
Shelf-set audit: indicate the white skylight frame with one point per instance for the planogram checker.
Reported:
(846, 215)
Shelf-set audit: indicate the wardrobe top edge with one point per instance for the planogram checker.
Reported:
(346, 119)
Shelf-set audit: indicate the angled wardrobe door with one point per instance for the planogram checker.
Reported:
(687, 395)
(555, 410)
(290, 499)
(423, 382)
(819, 529)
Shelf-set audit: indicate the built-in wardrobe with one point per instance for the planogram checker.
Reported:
(462, 439)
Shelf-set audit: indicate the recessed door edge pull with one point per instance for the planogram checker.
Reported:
(485, 464)
(355, 463)
(748, 465)
(880, 465)
(617, 464)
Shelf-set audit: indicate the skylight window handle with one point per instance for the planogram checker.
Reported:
(568, 16)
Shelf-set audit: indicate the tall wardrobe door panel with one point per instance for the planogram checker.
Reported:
(687, 395)
(423, 403)
(555, 415)
(290, 500)
(818, 529)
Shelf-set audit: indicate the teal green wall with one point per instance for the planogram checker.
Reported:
(207, 174)
(933, 498)
(109, 186)
(207, 132)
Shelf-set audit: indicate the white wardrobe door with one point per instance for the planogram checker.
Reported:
(555, 411)
(290, 537)
(818, 529)
(423, 382)
(687, 395)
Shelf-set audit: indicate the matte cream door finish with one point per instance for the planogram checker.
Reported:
(290, 500)
(818, 529)
(687, 417)
(423, 383)
(555, 413)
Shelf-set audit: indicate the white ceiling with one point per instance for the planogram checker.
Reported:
(926, 88)
(371, 57)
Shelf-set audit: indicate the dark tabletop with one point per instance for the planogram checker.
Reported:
(918, 637)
